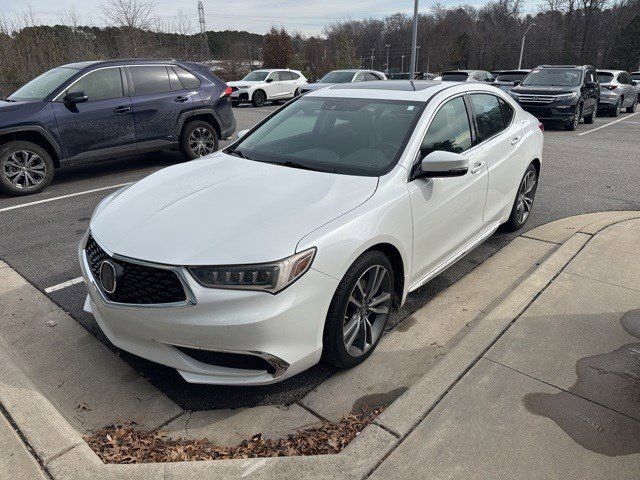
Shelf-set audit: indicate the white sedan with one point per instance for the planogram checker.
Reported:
(293, 244)
(261, 86)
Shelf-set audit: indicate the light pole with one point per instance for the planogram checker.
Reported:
(522, 46)
(418, 57)
(372, 56)
(414, 40)
(388, 57)
(402, 67)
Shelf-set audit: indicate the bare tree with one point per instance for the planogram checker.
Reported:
(129, 13)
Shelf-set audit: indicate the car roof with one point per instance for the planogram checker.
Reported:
(125, 61)
(614, 72)
(565, 66)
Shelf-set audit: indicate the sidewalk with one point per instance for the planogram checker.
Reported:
(15, 459)
(558, 394)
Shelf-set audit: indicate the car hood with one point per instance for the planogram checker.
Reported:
(223, 210)
(316, 86)
(543, 90)
(244, 83)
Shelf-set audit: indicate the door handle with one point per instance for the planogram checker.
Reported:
(514, 141)
(122, 109)
(477, 167)
(180, 99)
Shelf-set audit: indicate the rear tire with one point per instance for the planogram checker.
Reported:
(259, 98)
(198, 139)
(357, 316)
(632, 108)
(617, 109)
(25, 168)
(524, 200)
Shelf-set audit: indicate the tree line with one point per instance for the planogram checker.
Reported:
(604, 33)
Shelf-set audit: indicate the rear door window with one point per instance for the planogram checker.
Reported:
(488, 115)
(450, 130)
(150, 79)
(368, 77)
(455, 77)
(284, 76)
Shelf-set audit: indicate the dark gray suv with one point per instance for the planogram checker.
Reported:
(90, 111)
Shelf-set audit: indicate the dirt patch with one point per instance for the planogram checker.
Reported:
(601, 411)
(376, 401)
(125, 444)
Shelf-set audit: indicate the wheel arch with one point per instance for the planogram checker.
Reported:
(394, 256)
(259, 90)
(206, 115)
(34, 134)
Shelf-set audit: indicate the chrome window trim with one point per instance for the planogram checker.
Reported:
(179, 271)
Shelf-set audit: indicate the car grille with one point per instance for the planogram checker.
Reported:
(526, 98)
(137, 284)
(228, 359)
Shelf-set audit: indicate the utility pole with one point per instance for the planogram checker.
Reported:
(418, 58)
(414, 40)
(203, 28)
(522, 45)
(402, 65)
(388, 57)
(372, 57)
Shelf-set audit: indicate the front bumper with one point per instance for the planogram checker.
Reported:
(553, 112)
(241, 95)
(284, 330)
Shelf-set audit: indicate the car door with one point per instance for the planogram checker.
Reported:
(288, 86)
(102, 126)
(274, 87)
(157, 101)
(629, 90)
(503, 144)
(447, 212)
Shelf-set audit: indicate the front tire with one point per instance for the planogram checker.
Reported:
(359, 310)
(259, 98)
(198, 139)
(522, 205)
(575, 121)
(25, 168)
(617, 109)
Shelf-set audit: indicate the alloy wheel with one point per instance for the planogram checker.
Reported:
(525, 196)
(24, 169)
(367, 310)
(576, 117)
(202, 142)
(260, 98)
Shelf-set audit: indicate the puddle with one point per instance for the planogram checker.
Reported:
(609, 423)
(377, 400)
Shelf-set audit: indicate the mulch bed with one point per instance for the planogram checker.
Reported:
(125, 444)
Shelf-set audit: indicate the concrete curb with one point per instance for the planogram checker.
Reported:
(64, 454)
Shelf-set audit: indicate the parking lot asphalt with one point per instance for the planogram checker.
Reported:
(592, 169)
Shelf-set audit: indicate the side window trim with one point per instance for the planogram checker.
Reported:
(61, 95)
(473, 115)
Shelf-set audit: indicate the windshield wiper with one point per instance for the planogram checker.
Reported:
(302, 166)
(238, 153)
(7, 99)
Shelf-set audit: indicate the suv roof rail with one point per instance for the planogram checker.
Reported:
(565, 66)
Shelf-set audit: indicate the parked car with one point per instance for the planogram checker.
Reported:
(294, 243)
(635, 77)
(560, 93)
(83, 112)
(343, 76)
(617, 92)
(405, 76)
(508, 79)
(261, 86)
(465, 76)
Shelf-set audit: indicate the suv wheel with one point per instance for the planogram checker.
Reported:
(617, 109)
(259, 98)
(592, 118)
(359, 310)
(632, 108)
(25, 168)
(524, 200)
(198, 139)
(575, 120)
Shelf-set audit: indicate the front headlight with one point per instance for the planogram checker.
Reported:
(568, 96)
(269, 277)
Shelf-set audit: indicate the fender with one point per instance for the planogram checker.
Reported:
(36, 128)
(196, 111)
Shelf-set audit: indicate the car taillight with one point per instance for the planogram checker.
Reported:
(541, 126)
(610, 87)
(227, 92)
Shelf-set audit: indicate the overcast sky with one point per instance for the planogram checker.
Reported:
(308, 17)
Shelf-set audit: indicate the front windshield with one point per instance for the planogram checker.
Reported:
(455, 77)
(342, 135)
(337, 77)
(257, 76)
(554, 77)
(604, 77)
(40, 87)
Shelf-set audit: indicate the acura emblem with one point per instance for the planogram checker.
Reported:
(108, 276)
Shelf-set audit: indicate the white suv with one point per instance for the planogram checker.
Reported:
(260, 86)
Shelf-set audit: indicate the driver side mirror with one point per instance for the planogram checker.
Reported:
(269, 80)
(442, 164)
(75, 97)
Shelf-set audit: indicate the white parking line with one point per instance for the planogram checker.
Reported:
(46, 200)
(608, 124)
(62, 285)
